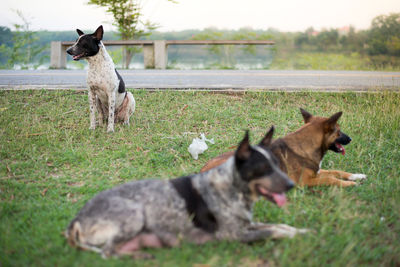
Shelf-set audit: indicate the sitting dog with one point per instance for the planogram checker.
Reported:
(106, 87)
(215, 205)
(300, 153)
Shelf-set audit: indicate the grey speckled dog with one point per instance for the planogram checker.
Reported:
(106, 88)
(214, 205)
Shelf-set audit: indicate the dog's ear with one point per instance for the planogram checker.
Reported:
(243, 151)
(99, 33)
(331, 122)
(266, 141)
(79, 32)
(306, 115)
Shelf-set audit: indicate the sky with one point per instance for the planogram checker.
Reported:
(283, 15)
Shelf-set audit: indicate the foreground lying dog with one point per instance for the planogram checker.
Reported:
(106, 87)
(214, 205)
(300, 153)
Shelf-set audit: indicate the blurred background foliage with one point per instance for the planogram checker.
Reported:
(377, 48)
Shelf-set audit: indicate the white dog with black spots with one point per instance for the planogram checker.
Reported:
(106, 88)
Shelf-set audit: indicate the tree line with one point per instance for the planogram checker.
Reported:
(23, 46)
(382, 38)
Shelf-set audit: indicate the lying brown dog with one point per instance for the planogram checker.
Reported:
(300, 153)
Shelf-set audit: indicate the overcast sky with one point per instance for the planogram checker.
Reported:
(284, 15)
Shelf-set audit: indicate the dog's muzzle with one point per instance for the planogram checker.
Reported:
(341, 141)
(75, 56)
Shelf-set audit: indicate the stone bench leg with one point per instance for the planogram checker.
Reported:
(160, 54)
(148, 56)
(58, 57)
(155, 55)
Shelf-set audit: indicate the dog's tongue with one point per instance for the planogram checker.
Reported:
(341, 148)
(280, 199)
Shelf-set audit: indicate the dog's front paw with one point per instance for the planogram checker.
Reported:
(303, 231)
(357, 176)
(110, 129)
(92, 127)
(347, 183)
(283, 230)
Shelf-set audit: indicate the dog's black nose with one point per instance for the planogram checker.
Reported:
(289, 185)
(69, 51)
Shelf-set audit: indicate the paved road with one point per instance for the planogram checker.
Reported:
(210, 80)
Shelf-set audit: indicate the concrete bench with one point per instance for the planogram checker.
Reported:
(155, 52)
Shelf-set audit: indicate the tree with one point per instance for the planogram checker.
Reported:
(393, 46)
(5, 36)
(128, 19)
(353, 41)
(24, 49)
(5, 43)
(326, 40)
(384, 35)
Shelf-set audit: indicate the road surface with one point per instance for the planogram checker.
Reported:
(210, 80)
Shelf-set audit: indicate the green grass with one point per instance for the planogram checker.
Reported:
(51, 164)
(289, 60)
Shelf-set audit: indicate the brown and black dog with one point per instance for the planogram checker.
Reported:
(300, 153)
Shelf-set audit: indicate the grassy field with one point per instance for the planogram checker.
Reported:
(298, 60)
(51, 164)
